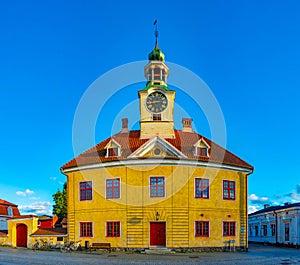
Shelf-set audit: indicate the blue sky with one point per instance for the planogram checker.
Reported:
(51, 51)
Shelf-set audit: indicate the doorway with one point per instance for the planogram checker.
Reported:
(22, 235)
(158, 234)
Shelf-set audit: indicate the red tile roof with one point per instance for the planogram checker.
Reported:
(3, 233)
(50, 232)
(4, 208)
(130, 142)
(7, 203)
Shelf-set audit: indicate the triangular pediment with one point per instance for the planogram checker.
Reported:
(202, 143)
(157, 147)
(112, 143)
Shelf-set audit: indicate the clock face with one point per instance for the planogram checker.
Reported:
(156, 102)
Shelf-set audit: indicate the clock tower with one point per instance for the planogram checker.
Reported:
(156, 99)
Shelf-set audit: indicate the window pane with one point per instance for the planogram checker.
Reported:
(157, 186)
(108, 183)
(201, 188)
(202, 228)
(225, 193)
(86, 229)
(113, 229)
(85, 190)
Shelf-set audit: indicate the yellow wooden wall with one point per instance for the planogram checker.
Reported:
(179, 209)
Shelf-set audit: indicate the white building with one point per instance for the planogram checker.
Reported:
(275, 224)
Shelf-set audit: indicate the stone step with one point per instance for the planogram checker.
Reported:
(158, 250)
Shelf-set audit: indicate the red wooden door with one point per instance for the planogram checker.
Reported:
(21, 235)
(158, 234)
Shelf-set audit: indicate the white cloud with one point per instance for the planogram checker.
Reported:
(53, 178)
(25, 193)
(256, 202)
(252, 208)
(253, 198)
(37, 208)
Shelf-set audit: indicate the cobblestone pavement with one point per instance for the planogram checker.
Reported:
(257, 254)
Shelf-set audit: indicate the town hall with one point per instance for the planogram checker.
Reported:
(158, 187)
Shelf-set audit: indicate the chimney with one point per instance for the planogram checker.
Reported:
(124, 125)
(266, 206)
(187, 125)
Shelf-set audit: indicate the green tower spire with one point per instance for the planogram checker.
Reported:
(156, 54)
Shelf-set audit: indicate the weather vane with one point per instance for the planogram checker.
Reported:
(156, 31)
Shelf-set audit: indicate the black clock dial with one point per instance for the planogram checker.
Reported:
(156, 102)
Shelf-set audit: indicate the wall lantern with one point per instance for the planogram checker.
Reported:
(157, 216)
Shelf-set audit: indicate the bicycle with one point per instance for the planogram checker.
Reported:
(70, 246)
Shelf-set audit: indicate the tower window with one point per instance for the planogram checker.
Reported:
(157, 75)
(149, 74)
(156, 117)
(164, 75)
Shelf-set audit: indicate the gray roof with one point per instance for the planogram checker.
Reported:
(275, 208)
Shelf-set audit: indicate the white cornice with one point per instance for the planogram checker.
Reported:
(161, 162)
(21, 219)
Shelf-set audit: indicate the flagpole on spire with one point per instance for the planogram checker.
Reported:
(156, 34)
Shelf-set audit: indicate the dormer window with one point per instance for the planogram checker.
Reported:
(113, 148)
(113, 151)
(201, 148)
(202, 151)
(10, 211)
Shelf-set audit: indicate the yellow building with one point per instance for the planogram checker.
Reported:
(26, 230)
(157, 186)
